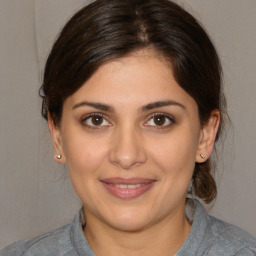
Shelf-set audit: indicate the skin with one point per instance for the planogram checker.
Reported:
(129, 143)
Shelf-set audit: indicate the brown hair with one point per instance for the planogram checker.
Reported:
(110, 29)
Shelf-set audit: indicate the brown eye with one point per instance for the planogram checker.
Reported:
(159, 120)
(95, 120)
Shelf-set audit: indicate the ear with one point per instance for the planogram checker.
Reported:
(207, 137)
(56, 140)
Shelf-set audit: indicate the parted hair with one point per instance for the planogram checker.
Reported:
(109, 29)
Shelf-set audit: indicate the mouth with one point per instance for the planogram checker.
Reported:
(127, 188)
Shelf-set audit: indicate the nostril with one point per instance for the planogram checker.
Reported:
(127, 149)
(128, 158)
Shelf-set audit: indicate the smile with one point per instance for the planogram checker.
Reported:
(127, 188)
(131, 186)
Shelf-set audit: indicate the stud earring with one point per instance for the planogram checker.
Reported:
(202, 156)
(59, 156)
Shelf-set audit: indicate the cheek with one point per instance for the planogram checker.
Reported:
(176, 154)
(84, 158)
(83, 154)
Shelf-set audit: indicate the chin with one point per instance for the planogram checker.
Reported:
(129, 225)
(129, 221)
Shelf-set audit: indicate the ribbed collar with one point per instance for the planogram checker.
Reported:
(77, 235)
(197, 240)
(192, 246)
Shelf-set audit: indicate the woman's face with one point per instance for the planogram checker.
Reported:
(130, 137)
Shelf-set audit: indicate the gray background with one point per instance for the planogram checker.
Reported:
(35, 193)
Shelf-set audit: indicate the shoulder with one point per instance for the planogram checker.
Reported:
(68, 240)
(229, 239)
(211, 236)
(56, 242)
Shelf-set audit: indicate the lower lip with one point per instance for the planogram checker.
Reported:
(128, 193)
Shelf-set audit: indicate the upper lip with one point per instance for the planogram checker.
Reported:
(127, 181)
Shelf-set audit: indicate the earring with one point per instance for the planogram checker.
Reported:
(59, 156)
(202, 156)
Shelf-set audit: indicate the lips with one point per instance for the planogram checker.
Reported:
(127, 188)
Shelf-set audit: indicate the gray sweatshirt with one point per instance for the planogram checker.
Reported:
(208, 236)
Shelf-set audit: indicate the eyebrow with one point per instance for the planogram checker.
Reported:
(96, 105)
(159, 104)
(150, 106)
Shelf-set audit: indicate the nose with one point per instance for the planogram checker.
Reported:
(127, 149)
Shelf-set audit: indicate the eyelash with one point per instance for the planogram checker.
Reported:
(87, 117)
(169, 118)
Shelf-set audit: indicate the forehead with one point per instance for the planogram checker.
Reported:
(136, 79)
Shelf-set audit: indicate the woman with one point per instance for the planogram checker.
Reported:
(133, 99)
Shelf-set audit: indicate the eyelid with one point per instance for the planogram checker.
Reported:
(168, 116)
(86, 117)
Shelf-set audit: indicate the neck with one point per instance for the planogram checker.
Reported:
(163, 238)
